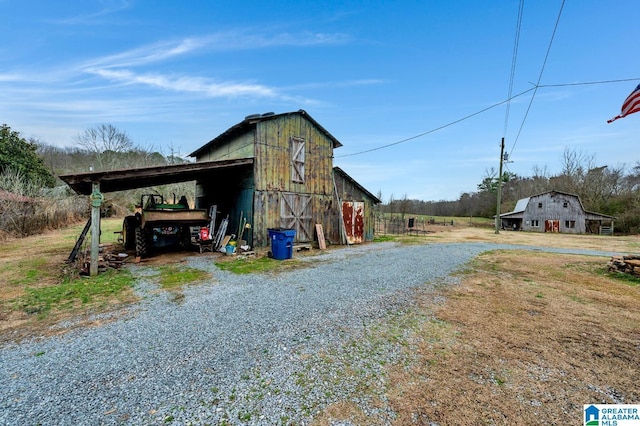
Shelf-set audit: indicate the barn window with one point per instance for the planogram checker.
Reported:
(297, 159)
(565, 204)
(539, 205)
(535, 223)
(569, 224)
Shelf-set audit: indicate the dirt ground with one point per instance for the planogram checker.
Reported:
(525, 338)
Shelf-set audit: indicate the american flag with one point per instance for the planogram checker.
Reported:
(630, 105)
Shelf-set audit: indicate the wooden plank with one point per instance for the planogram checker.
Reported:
(322, 245)
(225, 241)
(632, 262)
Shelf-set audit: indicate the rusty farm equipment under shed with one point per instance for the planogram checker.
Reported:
(159, 224)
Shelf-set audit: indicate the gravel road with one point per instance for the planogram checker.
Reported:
(260, 349)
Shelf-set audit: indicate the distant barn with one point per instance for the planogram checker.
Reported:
(556, 211)
(288, 182)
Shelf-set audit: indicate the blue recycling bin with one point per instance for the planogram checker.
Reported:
(281, 242)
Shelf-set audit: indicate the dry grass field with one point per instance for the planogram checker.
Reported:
(525, 338)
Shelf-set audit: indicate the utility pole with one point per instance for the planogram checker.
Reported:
(499, 193)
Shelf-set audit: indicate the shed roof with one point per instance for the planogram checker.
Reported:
(375, 199)
(250, 122)
(123, 179)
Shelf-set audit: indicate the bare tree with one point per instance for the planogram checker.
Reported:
(105, 141)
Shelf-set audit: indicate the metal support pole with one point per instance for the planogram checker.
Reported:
(499, 191)
(96, 202)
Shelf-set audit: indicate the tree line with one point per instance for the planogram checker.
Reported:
(33, 198)
(613, 191)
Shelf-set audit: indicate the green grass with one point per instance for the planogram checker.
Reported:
(257, 265)
(628, 279)
(173, 276)
(384, 238)
(79, 291)
(31, 271)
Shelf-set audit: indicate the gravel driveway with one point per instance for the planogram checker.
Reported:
(241, 349)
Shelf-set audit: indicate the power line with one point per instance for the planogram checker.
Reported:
(487, 109)
(437, 128)
(544, 63)
(623, 80)
(513, 64)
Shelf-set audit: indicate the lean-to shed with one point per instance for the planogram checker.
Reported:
(289, 183)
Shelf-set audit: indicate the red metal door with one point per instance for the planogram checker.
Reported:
(353, 217)
(551, 225)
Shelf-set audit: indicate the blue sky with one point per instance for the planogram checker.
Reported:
(176, 74)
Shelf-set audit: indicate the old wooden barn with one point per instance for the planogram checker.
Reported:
(556, 211)
(288, 181)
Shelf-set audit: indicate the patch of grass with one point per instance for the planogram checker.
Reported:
(70, 293)
(26, 271)
(384, 238)
(401, 239)
(258, 265)
(172, 276)
(628, 279)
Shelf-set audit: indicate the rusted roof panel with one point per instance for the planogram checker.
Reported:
(120, 180)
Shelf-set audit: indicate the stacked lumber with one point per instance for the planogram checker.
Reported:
(626, 264)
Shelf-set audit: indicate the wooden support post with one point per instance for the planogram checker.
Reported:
(96, 201)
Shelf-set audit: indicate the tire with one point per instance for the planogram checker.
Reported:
(129, 232)
(141, 242)
(185, 237)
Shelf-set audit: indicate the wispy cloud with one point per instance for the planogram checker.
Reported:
(222, 41)
(10, 77)
(148, 54)
(186, 84)
(92, 18)
(121, 67)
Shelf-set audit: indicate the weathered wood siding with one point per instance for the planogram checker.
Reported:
(267, 207)
(278, 195)
(273, 176)
(241, 146)
(273, 156)
(555, 206)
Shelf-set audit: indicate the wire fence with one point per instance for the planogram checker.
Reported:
(391, 224)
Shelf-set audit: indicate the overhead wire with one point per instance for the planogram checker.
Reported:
(437, 128)
(509, 97)
(544, 63)
(622, 80)
(514, 58)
